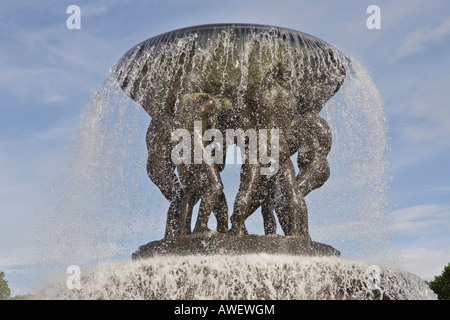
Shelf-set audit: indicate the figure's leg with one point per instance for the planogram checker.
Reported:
(263, 198)
(270, 224)
(221, 212)
(161, 172)
(284, 215)
(187, 176)
(287, 187)
(303, 221)
(221, 207)
(266, 191)
(250, 174)
(209, 197)
(281, 207)
(282, 210)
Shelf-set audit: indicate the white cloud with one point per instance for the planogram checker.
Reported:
(28, 268)
(51, 64)
(424, 126)
(352, 230)
(34, 254)
(422, 39)
(421, 220)
(93, 9)
(427, 230)
(442, 189)
(426, 262)
(18, 256)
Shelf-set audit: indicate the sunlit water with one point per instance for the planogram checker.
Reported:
(105, 207)
(241, 277)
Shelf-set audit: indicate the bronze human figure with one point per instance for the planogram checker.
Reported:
(200, 179)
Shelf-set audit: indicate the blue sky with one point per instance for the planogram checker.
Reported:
(49, 72)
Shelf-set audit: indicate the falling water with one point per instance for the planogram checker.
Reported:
(351, 207)
(105, 205)
(246, 277)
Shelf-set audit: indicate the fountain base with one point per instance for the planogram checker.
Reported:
(240, 277)
(217, 243)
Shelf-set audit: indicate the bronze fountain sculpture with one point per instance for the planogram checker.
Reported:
(252, 84)
(210, 90)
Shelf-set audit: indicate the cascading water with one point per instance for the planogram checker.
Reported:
(246, 277)
(105, 204)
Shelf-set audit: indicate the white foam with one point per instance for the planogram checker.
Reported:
(246, 277)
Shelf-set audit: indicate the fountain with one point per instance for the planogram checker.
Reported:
(247, 79)
(207, 89)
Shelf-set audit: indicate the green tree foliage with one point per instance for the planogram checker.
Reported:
(441, 284)
(5, 292)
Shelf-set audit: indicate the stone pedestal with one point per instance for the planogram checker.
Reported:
(223, 244)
